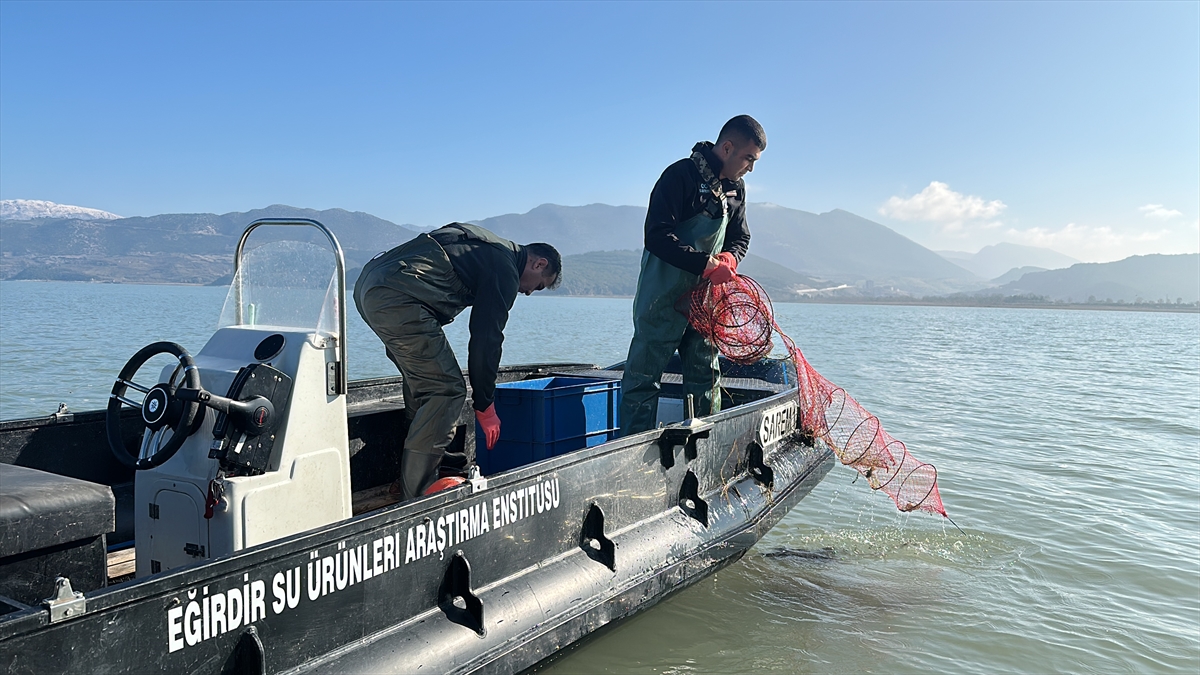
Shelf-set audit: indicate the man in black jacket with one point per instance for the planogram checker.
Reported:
(408, 293)
(695, 228)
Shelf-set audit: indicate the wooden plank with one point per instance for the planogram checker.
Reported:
(122, 562)
(371, 499)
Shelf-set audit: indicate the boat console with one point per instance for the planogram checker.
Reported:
(247, 441)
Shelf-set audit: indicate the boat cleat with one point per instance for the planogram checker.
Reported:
(478, 481)
(686, 433)
(67, 602)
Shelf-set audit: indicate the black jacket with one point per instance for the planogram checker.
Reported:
(490, 267)
(677, 197)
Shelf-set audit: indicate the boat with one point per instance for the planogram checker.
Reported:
(235, 518)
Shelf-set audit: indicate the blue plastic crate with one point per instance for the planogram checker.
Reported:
(547, 417)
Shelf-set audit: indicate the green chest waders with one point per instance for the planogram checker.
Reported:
(659, 329)
(406, 295)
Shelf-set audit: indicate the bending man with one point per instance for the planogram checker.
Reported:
(695, 228)
(407, 294)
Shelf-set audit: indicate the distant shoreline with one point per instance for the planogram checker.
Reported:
(1179, 309)
(1145, 307)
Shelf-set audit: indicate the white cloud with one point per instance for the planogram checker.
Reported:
(1159, 212)
(1092, 243)
(939, 204)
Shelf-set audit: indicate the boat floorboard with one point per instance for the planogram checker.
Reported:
(372, 499)
(120, 564)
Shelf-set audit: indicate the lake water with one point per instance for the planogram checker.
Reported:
(1067, 444)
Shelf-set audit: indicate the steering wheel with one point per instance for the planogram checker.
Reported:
(161, 409)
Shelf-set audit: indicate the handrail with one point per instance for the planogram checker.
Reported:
(339, 258)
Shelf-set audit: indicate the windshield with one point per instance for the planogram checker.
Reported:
(284, 284)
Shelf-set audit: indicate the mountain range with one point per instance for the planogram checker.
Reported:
(793, 253)
(1139, 278)
(1000, 259)
(190, 248)
(615, 273)
(1015, 273)
(837, 245)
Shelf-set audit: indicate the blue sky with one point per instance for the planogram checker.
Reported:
(1074, 126)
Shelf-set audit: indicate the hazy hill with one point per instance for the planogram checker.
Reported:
(780, 282)
(615, 273)
(574, 229)
(608, 273)
(841, 245)
(837, 244)
(179, 248)
(1016, 273)
(1138, 278)
(998, 259)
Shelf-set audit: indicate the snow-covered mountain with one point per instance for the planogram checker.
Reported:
(30, 209)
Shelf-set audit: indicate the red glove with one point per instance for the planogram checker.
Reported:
(722, 273)
(490, 423)
(729, 259)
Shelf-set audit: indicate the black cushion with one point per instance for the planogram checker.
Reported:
(40, 509)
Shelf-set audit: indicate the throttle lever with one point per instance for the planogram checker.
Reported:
(254, 416)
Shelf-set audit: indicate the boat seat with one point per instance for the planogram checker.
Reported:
(50, 526)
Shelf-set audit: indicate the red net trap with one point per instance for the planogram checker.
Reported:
(738, 319)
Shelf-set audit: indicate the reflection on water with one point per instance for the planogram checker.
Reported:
(1066, 443)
